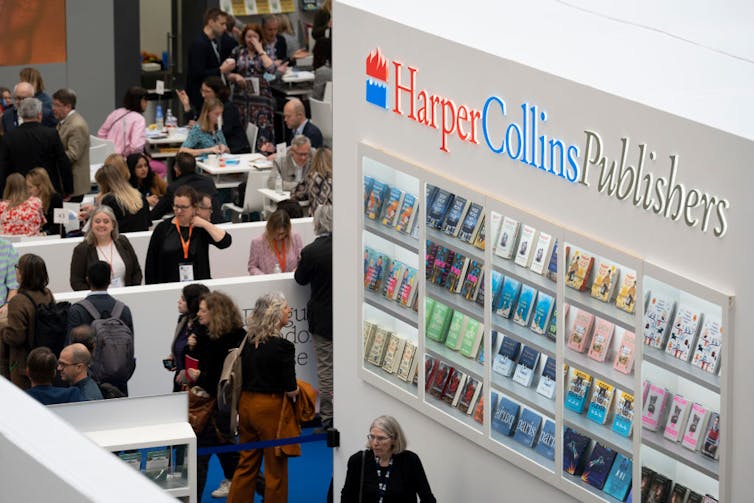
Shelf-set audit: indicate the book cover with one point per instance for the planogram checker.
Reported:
(578, 389)
(479, 410)
(190, 362)
(683, 333)
(525, 305)
(552, 265)
(574, 448)
(657, 318)
(527, 428)
(548, 378)
(440, 379)
(472, 337)
(457, 273)
(602, 399)
(455, 215)
(506, 357)
(392, 204)
(654, 407)
(552, 327)
(439, 322)
(582, 327)
(430, 366)
(604, 282)
(678, 412)
(692, 434)
(455, 335)
(132, 458)
(431, 193)
(626, 299)
(408, 288)
(368, 337)
(623, 422)
(525, 246)
(470, 285)
(470, 394)
(695, 497)
(379, 347)
(546, 442)
(378, 264)
(541, 253)
(429, 259)
(439, 208)
(491, 228)
(509, 294)
(578, 271)
(505, 417)
(157, 462)
(392, 281)
(407, 361)
(624, 358)
(711, 439)
(368, 183)
(647, 475)
(497, 291)
(481, 234)
(678, 494)
(618, 482)
(506, 245)
(542, 313)
(429, 305)
(707, 352)
(598, 466)
(471, 223)
(441, 266)
(480, 290)
(659, 489)
(393, 354)
(527, 366)
(452, 392)
(601, 338)
(708, 498)
(376, 199)
(405, 221)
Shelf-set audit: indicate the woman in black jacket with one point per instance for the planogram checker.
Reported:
(188, 324)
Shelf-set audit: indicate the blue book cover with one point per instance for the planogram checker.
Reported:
(368, 182)
(504, 418)
(391, 206)
(624, 414)
(406, 214)
(598, 466)
(497, 286)
(552, 327)
(470, 286)
(470, 224)
(454, 217)
(431, 193)
(574, 448)
(547, 380)
(619, 481)
(602, 399)
(552, 267)
(542, 313)
(505, 359)
(441, 266)
(438, 209)
(376, 199)
(527, 428)
(525, 306)
(578, 391)
(546, 443)
(527, 364)
(511, 288)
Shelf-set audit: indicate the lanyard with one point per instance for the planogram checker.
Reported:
(280, 255)
(184, 244)
(110, 262)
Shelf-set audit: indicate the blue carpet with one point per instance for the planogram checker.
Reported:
(308, 475)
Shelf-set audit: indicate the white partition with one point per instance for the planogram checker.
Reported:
(154, 309)
(226, 263)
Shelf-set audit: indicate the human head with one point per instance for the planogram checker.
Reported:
(119, 162)
(219, 314)
(40, 366)
(63, 101)
(83, 334)
(294, 113)
(255, 30)
(98, 275)
(213, 87)
(322, 162)
(30, 110)
(389, 427)
(185, 201)
(38, 184)
(31, 272)
(15, 189)
(211, 110)
(293, 208)
(21, 91)
(103, 224)
(109, 177)
(6, 96)
(135, 99)
(278, 227)
(271, 312)
(284, 24)
(204, 207)
(139, 171)
(73, 363)
(215, 22)
(185, 163)
(323, 219)
(33, 77)
(192, 295)
(300, 150)
(270, 29)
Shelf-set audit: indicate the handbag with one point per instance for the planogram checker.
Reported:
(200, 409)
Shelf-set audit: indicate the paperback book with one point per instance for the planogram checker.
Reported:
(678, 493)
(471, 391)
(711, 440)
(626, 299)
(654, 407)
(657, 319)
(441, 379)
(491, 229)
(547, 381)
(601, 338)
(393, 354)
(707, 352)
(541, 253)
(457, 273)
(527, 428)
(471, 223)
(525, 246)
(598, 466)
(506, 246)
(683, 334)
(506, 357)
(392, 281)
(602, 399)
(526, 367)
(505, 416)
(525, 305)
(407, 362)
(378, 264)
(481, 235)
(379, 346)
(441, 265)
(542, 313)
(439, 322)
(376, 199)
(368, 336)
(472, 338)
(439, 208)
(604, 282)
(574, 449)
(624, 358)
(546, 443)
(471, 282)
(454, 387)
(659, 489)
(429, 304)
(552, 327)
(677, 416)
(578, 390)
(405, 221)
(692, 434)
(455, 215)
(157, 463)
(429, 259)
(552, 265)
(509, 294)
(623, 421)
(582, 327)
(479, 410)
(408, 288)
(391, 206)
(619, 480)
(455, 331)
(578, 271)
(368, 182)
(647, 475)
(430, 366)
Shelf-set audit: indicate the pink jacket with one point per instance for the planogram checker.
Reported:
(262, 258)
(127, 129)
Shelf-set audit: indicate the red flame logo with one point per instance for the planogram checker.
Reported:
(377, 65)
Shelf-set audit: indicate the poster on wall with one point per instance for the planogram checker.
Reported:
(33, 32)
(253, 7)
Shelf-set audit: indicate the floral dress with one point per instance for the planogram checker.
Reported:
(259, 109)
(25, 219)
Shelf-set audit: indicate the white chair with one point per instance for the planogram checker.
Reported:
(252, 130)
(328, 92)
(322, 118)
(99, 149)
(252, 200)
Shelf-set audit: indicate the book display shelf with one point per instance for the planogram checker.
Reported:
(527, 338)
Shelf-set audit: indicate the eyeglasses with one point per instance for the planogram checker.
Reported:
(64, 364)
(203, 207)
(379, 439)
(300, 154)
(181, 208)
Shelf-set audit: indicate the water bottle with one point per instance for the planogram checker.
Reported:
(279, 185)
(170, 120)
(276, 269)
(158, 118)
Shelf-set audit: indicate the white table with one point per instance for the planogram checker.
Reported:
(271, 198)
(171, 143)
(231, 175)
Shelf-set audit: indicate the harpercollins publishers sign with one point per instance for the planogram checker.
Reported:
(521, 134)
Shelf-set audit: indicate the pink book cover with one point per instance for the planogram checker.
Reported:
(679, 410)
(603, 335)
(579, 337)
(654, 407)
(694, 427)
(624, 358)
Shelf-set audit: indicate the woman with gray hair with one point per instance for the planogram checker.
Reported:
(269, 377)
(386, 472)
(104, 242)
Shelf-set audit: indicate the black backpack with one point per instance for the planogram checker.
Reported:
(113, 358)
(50, 325)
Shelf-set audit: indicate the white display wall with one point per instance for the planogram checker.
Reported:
(708, 160)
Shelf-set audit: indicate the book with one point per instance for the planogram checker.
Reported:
(602, 399)
(623, 421)
(624, 358)
(683, 333)
(439, 208)
(429, 305)
(505, 416)
(393, 354)
(708, 498)
(376, 199)
(440, 379)
(707, 352)
(527, 428)
(405, 220)
(491, 228)
(509, 294)
(578, 271)
(457, 273)
(525, 246)
(132, 458)
(679, 410)
(496, 287)
(429, 259)
(604, 282)
(441, 266)
(430, 366)
(552, 327)
(711, 438)
(472, 337)
(431, 193)
(526, 367)
(190, 362)
(546, 442)
(452, 392)
(647, 475)
(678, 494)
(695, 498)
(471, 391)
(471, 282)
(525, 305)
(391, 206)
(618, 482)
(506, 245)
(379, 347)
(439, 322)
(480, 290)
(582, 327)
(654, 407)
(548, 379)
(368, 183)
(471, 223)
(451, 225)
(541, 253)
(157, 462)
(657, 319)
(504, 362)
(598, 466)
(407, 290)
(481, 234)
(692, 434)
(542, 313)
(578, 389)
(455, 335)
(601, 338)
(392, 282)
(407, 362)
(378, 264)
(659, 489)
(368, 336)
(479, 410)
(574, 448)
(626, 299)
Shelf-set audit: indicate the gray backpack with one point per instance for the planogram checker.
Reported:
(113, 359)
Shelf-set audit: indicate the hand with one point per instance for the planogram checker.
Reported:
(301, 53)
(4, 309)
(282, 67)
(292, 394)
(182, 378)
(257, 46)
(223, 149)
(184, 99)
(198, 221)
(193, 373)
(228, 65)
(85, 210)
(153, 200)
(239, 80)
(191, 341)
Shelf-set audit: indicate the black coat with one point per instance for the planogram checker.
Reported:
(33, 145)
(407, 480)
(315, 268)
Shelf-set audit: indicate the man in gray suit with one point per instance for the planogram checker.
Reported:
(294, 167)
(74, 133)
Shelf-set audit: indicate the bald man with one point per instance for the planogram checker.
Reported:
(74, 365)
(10, 116)
(294, 115)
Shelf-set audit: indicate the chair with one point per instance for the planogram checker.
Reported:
(99, 149)
(322, 118)
(328, 92)
(252, 201)
(252, 130)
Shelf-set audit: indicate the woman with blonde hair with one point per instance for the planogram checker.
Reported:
(317, 187)
(277, 249)
(20, 214)
(38, 184)
(34, 77)
(205, 137)
(130, 207)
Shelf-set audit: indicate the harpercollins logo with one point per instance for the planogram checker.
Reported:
(376, 85)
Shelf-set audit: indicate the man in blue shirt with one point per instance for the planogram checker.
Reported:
(73, 365)
(40, 366)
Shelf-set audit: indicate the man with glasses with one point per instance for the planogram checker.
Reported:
(74, 369)
(10, 116)
(40, 366)
(294, 167)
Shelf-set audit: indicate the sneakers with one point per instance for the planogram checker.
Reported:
(223, 490)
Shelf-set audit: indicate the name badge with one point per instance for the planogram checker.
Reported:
(185, 272)
(116, 282)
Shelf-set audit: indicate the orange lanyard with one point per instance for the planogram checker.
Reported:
(280, 255)
(185, 244)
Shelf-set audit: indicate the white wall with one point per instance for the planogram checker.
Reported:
(155, 23)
